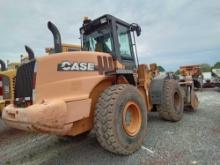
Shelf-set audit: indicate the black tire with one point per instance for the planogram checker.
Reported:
(171, 108)
(194, 103)
(108, 121)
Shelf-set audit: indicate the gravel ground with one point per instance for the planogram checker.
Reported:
(193, 140)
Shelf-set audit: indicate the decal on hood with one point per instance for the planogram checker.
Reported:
(76, 66)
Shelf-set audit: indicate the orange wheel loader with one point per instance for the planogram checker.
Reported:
(103, 87)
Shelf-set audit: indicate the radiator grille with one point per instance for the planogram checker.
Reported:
(24, 84)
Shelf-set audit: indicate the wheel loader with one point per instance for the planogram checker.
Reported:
(103, 87)
(8, 75)
(7, 79)
(65, 48)
(193, 71)
(57, 38)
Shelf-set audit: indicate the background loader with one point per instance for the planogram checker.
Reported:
(103, 87)
(191, 77)
(8, 75)
(57, 38)
(65, 48)
(7, 78)
(193, 72)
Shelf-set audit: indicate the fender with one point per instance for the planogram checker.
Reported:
(128, 74)
(97, 91)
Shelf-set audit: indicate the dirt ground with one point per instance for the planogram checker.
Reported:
(193, 140)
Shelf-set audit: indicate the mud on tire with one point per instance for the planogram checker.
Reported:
(110, 122)
(171, 108)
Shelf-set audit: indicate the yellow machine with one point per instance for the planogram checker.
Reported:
(57, 39)
(193, 71)
(8, 75)
(7, 80)
(65, 48)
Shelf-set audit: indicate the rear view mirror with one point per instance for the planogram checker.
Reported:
(135, 27)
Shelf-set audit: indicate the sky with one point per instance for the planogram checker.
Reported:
(174, 32)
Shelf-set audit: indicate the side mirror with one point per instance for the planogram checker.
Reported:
(135, 27)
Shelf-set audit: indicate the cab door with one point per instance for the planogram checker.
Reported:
(125, 48)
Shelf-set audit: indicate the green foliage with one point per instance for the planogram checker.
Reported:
(205, 67)
(177, 72)
(161, 69)
(217, 65)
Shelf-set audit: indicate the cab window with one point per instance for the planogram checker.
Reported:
(123, 38)
(100, 41)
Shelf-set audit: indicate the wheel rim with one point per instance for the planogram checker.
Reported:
(177, 101)
(132, 118)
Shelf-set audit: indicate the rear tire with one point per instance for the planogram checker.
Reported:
(171, 108)
(194, 103)
(113, 130)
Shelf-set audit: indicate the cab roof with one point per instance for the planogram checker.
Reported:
(91, 25)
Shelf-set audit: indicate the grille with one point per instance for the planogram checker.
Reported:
(13, 85)
(6, 87)
(1, 88)
(24, 84)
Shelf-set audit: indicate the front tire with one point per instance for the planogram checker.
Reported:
(121, 119)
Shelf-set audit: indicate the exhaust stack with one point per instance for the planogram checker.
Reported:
(30, 52)
(56, 36)
(3, 66)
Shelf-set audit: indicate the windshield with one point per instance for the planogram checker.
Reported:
(99, 40)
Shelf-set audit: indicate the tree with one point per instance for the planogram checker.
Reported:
(177, 72)
(217, 65)
(161, 69)
(205, 67)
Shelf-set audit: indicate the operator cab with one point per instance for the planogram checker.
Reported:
(110, 35)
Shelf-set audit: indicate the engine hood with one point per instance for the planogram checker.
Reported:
(70, 74)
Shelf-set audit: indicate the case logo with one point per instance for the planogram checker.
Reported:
(76, 66)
